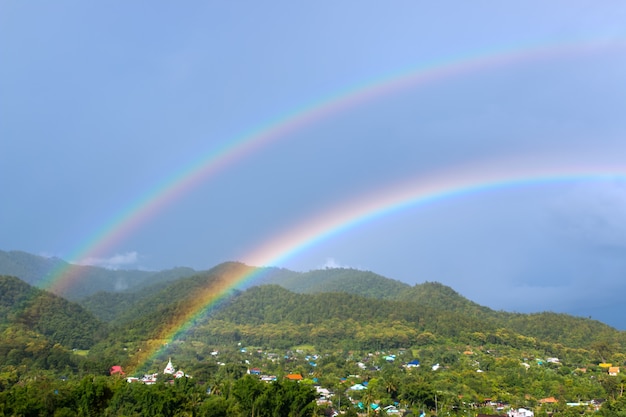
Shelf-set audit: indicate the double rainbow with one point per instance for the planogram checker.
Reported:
(208, 165)
(412, 194)
(355, 212)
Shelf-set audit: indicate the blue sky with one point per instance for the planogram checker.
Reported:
(101, 102)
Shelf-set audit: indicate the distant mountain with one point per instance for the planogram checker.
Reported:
(145, 317)
(347, 280)
(367, 284)
(270, 315)
(54, 318)
(29, 268)
(124, 306)
(37, 270)
(439, 298)
(406, 315)
(109, 306)
(149, 299)
(371, 285)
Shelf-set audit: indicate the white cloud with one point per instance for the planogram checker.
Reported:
(116, 261)
(331, 263)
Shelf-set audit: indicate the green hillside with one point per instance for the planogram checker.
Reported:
(40, 332)
(428, 307)
(111, 306)
(160, 305)
(346, 280)
(271, 315)
(53, 317)
(326, 336)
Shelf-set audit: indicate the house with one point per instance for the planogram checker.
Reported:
(180, 374)
(294, 377)
(413, 364)
(391, 409)
(116, 369)
(614, 370)
(149, 379)
(254, 371)
(520, 412)
(549, 400)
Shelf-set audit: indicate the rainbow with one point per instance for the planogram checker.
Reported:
(411, 194)
(418, 192)
(176, 185)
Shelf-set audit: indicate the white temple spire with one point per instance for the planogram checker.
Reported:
(169, 369)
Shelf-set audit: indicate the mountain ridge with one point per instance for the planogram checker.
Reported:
(104, 296)
(37, 270)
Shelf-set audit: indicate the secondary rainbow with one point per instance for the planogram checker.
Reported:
(410, 194)
(182, 181)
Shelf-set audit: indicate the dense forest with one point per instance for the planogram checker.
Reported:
(407, 348)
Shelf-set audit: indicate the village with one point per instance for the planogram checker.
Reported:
(301, 366)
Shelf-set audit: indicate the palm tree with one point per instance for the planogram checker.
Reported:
(368, 400)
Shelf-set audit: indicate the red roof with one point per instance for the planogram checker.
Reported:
(116, 369)
(294, 377)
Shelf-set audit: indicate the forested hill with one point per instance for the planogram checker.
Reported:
(429, 322)
(346, 280)
(110, 293)
(271, 312)
(35, 270)
(270, 315)
(371, 285)
(124, 296)
(151, 302)
(124, 306)
(144, 317)
(28, 309)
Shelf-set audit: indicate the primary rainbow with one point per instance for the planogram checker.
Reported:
(417, 192)
(182, 181)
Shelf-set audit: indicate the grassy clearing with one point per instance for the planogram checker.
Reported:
(304, 348)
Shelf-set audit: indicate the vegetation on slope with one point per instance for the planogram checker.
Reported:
(480, 353)
(347, 280)
(55, 318)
